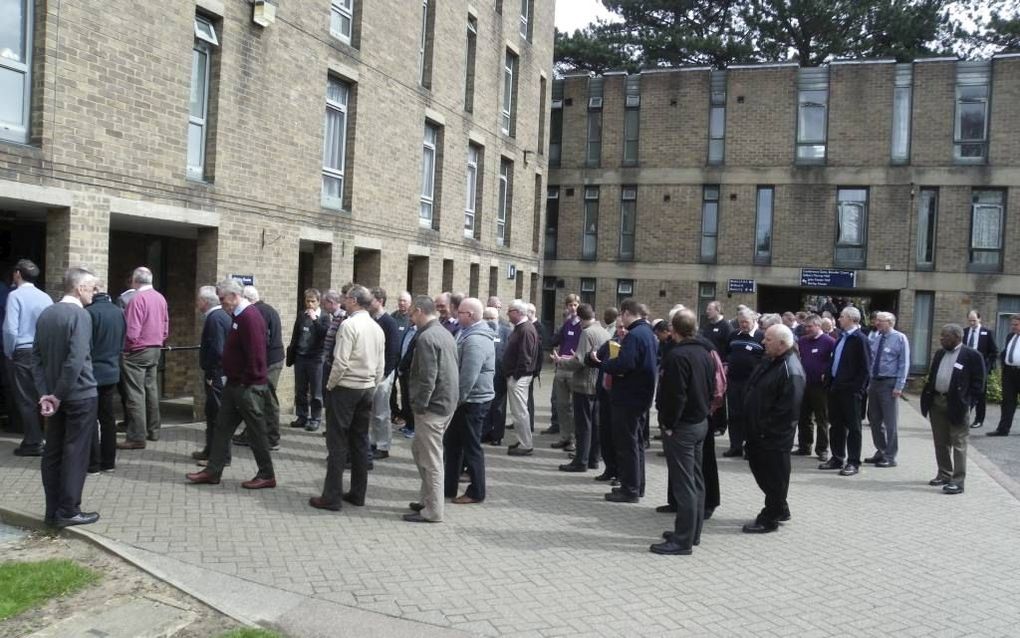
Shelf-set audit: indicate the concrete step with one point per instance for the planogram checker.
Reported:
(123, 617)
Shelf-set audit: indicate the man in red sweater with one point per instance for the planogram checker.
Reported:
(148, 326)
(246, 393)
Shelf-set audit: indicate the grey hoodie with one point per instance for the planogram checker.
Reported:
(476, 353)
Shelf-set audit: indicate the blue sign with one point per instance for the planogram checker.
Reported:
(740, 285)
(824, 278)
(511, 271)
(244, 280)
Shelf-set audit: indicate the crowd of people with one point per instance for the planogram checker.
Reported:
(452, 373)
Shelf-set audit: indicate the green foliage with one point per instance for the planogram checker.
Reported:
(26, 585)
(994, 391)
(246, 632)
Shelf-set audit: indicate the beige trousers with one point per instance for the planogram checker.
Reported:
(427, 451)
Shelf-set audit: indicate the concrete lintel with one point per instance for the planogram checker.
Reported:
(164, 212)
(212, 7)
(345, 71)
(371, 243)
(476, 136)
(30, 193)
(318, 235)
(494, 262)
(418, 250)
(450, 254)
(476, 259)
(435, 116)
(472, 11)
(513, 47)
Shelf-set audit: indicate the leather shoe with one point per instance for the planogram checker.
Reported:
(81, 518)
(380, 454)
(937, 481)
(416, 517)
(464, 499)
(415, 506)
(200, 455)
(784, 517)
(152, 436)
(669, 548)
(996, 433)
(708, 513)
(349, 498)
(666, 509)
(562, 444)
(732, 453)
(620, 497)
(203, 477)
(258, 483)
(573, 467)
(952, 488)
(131, 445)
(520, 451)
(297, 423)
(849, 470)
(320, 503)
(802, 451)
(758, 528)
(885, 463)
(873, 459)
(831, 464)
(605, 476)
(823, 456)
(22, 451)
(976, 424)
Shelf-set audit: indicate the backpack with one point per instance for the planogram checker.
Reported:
(719, 393)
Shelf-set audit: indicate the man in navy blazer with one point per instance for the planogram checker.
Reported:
(215, 326)
(847, 380)
(977, 337)
(955, 381)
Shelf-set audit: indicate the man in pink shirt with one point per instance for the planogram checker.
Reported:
(148, 326)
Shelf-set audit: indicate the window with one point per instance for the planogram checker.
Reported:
(971, 131)
(474, 278)
(900, 152)
(717, 118)
(590, 231)
(510, 94)
(987, 208)
(927, 215)
(812, 109)
(851, 227)
(334, 143)
(628, 217)
(588, 291)
(556, 124)
(198, 114)
(709, 224)
(425, 44)
(472, 196)
(763, 226)
(593, 153)
(631, 120)
(1009, 305)
(541, 115)
(527, 9)
(505, 209)
(428, 176)
(16, 69)
(341, 19)
(552, 221)
(624, 289)
(469, 68)
(706, 294)
(920, 339)
(536, 216)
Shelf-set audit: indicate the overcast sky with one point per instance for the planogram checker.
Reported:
(575, 14)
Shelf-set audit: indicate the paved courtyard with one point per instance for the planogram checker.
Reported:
(877, 554)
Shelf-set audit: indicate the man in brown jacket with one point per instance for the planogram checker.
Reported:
(582, 385)
(519, 362)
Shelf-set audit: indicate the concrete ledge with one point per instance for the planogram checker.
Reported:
(164, 212)
(418, 250)
(318, 235)
(44, 195)
(212, 7)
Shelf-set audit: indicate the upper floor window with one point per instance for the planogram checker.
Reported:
(900, 150)
(505, 204)
(341, 19)
(970, 137)
(851, 227)
(628, 222)
(527, 9)
(709, 224)
(429, 153)
(15, 69)
(717, 118)
(510, 94)
(593, 154)
(469, 68)
(812, 114)
(552, 221)
(556, 124)
(631, 120)
(927, 216)
(763, 226)
(426, 44)
(590, 231)
(334, 143)
(472, 196)
(198, 110)
(986, 222)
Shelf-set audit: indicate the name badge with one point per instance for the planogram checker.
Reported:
(305, 328)
(748, 348)
(984, 333)
(234, 326)
(570, 333)
(888, 349)
(401, 328)
(497, 340)
(958, 366)
(814, 350)
(715, 330)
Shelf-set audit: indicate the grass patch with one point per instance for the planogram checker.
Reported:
(25, 585)
(246, 632)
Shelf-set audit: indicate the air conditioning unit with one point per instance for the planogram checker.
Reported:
(263, 13)
(557, 104)
(595, 102)
(633, 100)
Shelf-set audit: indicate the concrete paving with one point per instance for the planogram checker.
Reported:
(545, 555)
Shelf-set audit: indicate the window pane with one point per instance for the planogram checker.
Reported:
(920, 343)
(195, 146)
(763, 227)
(198, 82)
(987, 226)
(717, 122)
(332, 187)
(333, 144)
(336, 92)
(12, 31)
(715, 150)
(901, 124)
(851, 227)
(926, 227)
(972, 121)
(811, 123)
(811, 152)
(12, 97)
(425, 211)
(427, 168)
(708, 247)
(710, 218)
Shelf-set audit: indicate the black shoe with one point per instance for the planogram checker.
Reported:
(976, 424)
(937, 481)
(27, 451)
(605, 476)
(849, 470)
(152, 436)
(297, 423)
(562, 444)
(614, 482)
(572, 467)
(551, 430)
(953, 488)
(241, 440)
(380, 454)
(416, 506)
(730, 453)
(758, 528)
(708, 513)
(666, 509)
(495, 443)
(519, 451)
(669, 548)
(996, 433)
(832, 464)
(802, 451)
(885, 463)
(784, 517)
(621, 497)
(81, 518)
(873, 459)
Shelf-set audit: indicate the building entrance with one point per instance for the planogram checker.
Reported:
(780, 299)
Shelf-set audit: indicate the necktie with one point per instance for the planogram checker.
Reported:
(1011, 356)
(974, 332)
(878, 356)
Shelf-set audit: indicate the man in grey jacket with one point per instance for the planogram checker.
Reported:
(62, 366)
(582, 385)
(434, 391)
(463, 440)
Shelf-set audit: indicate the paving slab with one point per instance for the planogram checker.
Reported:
(122, 618)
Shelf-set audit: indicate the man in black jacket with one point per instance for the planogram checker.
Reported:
(107, 342)
(519, 361)
(305, 351)
(381, 432)
(215, 326)
(955, 381)
(977, 337)
(743, 352)
(847, 380)
(772, 408)
(685, 392)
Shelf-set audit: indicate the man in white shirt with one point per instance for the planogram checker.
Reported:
(1010, 377)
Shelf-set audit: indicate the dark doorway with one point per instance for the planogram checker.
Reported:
(780, 299)
(22, 239)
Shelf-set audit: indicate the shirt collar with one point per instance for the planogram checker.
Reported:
(241, 305)
(70, 299)
(25, 283)
(211, 310)
(144, 287)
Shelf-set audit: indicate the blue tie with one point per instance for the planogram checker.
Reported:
(878, 356)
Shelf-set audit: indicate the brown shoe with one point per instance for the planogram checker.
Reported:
(320, 503)
(259, 483)
(203, 477)
(131, 445)
(464, 499)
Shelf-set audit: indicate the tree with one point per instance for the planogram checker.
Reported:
(596, 48)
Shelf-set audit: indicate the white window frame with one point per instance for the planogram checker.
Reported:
(978, 244)
(631, 134)
(717, 113)
(504, 202)
(590, 218)
(205, 40)
(525, 18)
(851, 248)
(18, 131)
(764, 214)
(429, 154)
(958, 141)
(899, 144)
(423, 44)
(335, 172)
(471, 61)
(471, 194)
(340, 9)
(509, 79)
(927, 225)
(710, 196)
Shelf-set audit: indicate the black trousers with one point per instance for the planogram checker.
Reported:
(845, 426)
(735, 401)
(25, 398)
(245, 403)
(814, 406)
(405, 400)
(213, 398)
(104, 446)
(585, 430)
(309, 378)
(531, 402)
(462, 447)
(347, 440)
(495, 420)
(65, 459)
(710, 469)
(684, 452)
(1010, 390)
(771, 470)
(630, 448)
(607, 446)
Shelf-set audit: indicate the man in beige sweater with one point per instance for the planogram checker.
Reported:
(359, 360)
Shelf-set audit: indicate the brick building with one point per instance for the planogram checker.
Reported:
(897, 184)
(397, 144)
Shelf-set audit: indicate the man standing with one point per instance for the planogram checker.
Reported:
(847, 379)
(633, 373)
(564, 344)
(274, 365)
(1010, 377)
(476, 359)
(216, 325)
(402, 317)
(717, 330)
(688, 382)
(107, 342)
(446, 309)
(62, 367)
(305, 349)
(434, 385)
(382, 432)
(816, 356)
(772, 406)
(359, 362)
(402, 372)
(582, 386)
(148, 326)
(955, 380)
(977, 337)
(495, 420)
(24, 306)
(332, 305)
(743, 352)
(890, 357)
(246, 392)
(519, 361)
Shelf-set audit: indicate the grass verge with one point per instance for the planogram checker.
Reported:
(24, 585)
(246, 632)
